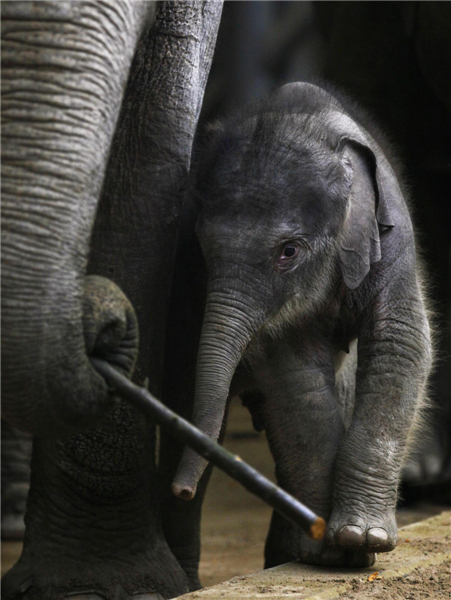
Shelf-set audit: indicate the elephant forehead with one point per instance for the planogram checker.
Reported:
(287, 164)
(294, 192)
(251, 214)
(270, 169)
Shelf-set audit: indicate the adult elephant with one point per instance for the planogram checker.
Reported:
(81, 146)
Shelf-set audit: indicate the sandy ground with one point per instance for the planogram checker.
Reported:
(235, 523)
(419, 567)
(432, 582)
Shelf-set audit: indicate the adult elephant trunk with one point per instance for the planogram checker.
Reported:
(64, 69)
(230, 322)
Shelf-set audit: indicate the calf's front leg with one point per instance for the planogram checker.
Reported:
(393, 365)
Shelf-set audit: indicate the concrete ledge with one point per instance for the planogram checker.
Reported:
(420, 567)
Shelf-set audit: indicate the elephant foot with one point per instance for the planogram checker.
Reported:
(287, 543)
(360, 533)
(90, 596)
(132, 578)
(313, 552)
(317, 553)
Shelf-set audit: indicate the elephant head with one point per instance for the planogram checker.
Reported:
(64, 69)
(292, 195)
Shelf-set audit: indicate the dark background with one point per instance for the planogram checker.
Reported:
(394, 59)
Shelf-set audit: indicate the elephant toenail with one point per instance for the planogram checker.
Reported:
(330, 536)
(377, 537)
(350, 535)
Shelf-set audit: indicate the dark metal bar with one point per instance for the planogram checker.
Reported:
(185, 432)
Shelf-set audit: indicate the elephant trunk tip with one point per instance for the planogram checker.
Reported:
(182, 491)
(188, 474)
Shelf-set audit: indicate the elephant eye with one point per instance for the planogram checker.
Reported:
(289, 251)
(286, 256)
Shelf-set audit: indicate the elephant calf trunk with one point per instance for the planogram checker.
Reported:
(226, 332)
(188, 474)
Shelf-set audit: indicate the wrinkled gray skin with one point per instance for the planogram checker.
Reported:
(99, 110)
(315, 315)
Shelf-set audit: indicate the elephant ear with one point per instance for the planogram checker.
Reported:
(374, 200)
(360, 242)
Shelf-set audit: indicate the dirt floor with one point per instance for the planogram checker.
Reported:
(432, 582)
(235, 524)
(419, 567)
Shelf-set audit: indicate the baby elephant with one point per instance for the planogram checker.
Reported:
(315, 315)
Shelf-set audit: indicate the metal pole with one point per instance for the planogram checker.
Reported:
(185, 432)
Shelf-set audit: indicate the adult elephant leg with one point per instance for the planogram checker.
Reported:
(304, 429)
(149, 174)
(101, 491)
(156, 138)
(16, 456)
(64, 69)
